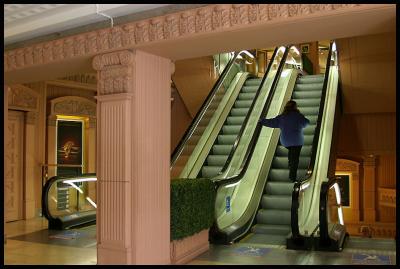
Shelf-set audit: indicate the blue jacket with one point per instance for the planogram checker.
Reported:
(291, 125)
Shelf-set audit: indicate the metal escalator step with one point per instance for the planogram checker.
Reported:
(282, 175)
(311, 79)
(239, 111)
(217, 160)
(221, 149)
(283, 202)
(313, 119)
(210, 171)
(246, 96)
(306, 94)
(282, 162)
(308, 139)
(226, 139)
(235, 120)
(309, 102)
(243, 103)
(308, 87)
(279, 187)
(309, 111)
(231, 129)
(273, 216)
(309, 130)
(253, 81)
(271, 229)
(249, 89)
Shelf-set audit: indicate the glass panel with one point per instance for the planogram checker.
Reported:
(71, 195)
(190, 145)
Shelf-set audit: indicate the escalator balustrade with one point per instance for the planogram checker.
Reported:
(272, 222)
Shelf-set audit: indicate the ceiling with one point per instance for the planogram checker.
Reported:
(26, 21)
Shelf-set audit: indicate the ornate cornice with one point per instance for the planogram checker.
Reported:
(22, 98)
(73, 105)
(208, 19)
(115, 72)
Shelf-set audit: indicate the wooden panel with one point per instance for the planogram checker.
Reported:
(14, 166)
(367, 133)
(386, 171)
(180, 120)
(368, 73)
(194, 79)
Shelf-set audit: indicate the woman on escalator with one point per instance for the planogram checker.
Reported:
(291, 122)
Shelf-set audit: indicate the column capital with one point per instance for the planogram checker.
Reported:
(370, 160)
(115, 72)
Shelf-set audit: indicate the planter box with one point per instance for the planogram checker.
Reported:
(183, 251)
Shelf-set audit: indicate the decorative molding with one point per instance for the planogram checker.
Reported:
(387, 197)
(72, 84)
(206, 19)
(115, 72)
(30, 117)
(347, 165)
(73, 105)
(22, 98)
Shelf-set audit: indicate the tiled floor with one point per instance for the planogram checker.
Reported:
(29, 242)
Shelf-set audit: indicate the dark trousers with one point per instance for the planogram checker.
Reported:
(293, 156)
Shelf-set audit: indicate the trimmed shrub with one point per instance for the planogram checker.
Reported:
(192, 206)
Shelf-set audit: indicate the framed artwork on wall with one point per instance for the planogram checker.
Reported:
(305, 48)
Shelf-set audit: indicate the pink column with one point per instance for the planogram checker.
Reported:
(4, 156)
(133, 131)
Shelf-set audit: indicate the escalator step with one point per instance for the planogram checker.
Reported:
(279, 187)
(282, 162)
(311, 79)
(313, 119)
(231, 129)
(282, 175)
(235, 120)
(309, 130)
(243, 104)
(226, 139)
(313, 102)
(308, 87)
(253, 81)
(283, 202)
(273, 216)
(221, 149)
(306, 94)
(308, 111)
(308, 139)
(271, 229)
(210, 171)
(239, 111)
(249, 89)
(217, 160)
(246, 96)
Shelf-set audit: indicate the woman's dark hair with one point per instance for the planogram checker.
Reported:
(290, 106)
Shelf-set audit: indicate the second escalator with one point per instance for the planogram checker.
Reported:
(219, 152)
(272, 222)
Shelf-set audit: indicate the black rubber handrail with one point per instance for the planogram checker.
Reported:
(298, 185)
(257, 131)
(46, 189)
(239, 136)
(189, 131)
(323, 210)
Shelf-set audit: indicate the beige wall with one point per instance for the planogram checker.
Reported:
(368, 73)
(194, 79)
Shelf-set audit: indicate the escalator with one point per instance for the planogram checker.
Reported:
(272, 222)
(222, 146)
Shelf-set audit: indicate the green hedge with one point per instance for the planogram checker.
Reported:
(192, 206)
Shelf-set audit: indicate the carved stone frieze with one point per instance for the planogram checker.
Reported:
(115, 72)
(22, 98)
(197, 21)
(73, 105)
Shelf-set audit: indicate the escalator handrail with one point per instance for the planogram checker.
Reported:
(46, 189)
(239, 136)
(323, 204)
(189, 131)
(298, 186)
(257, 131)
